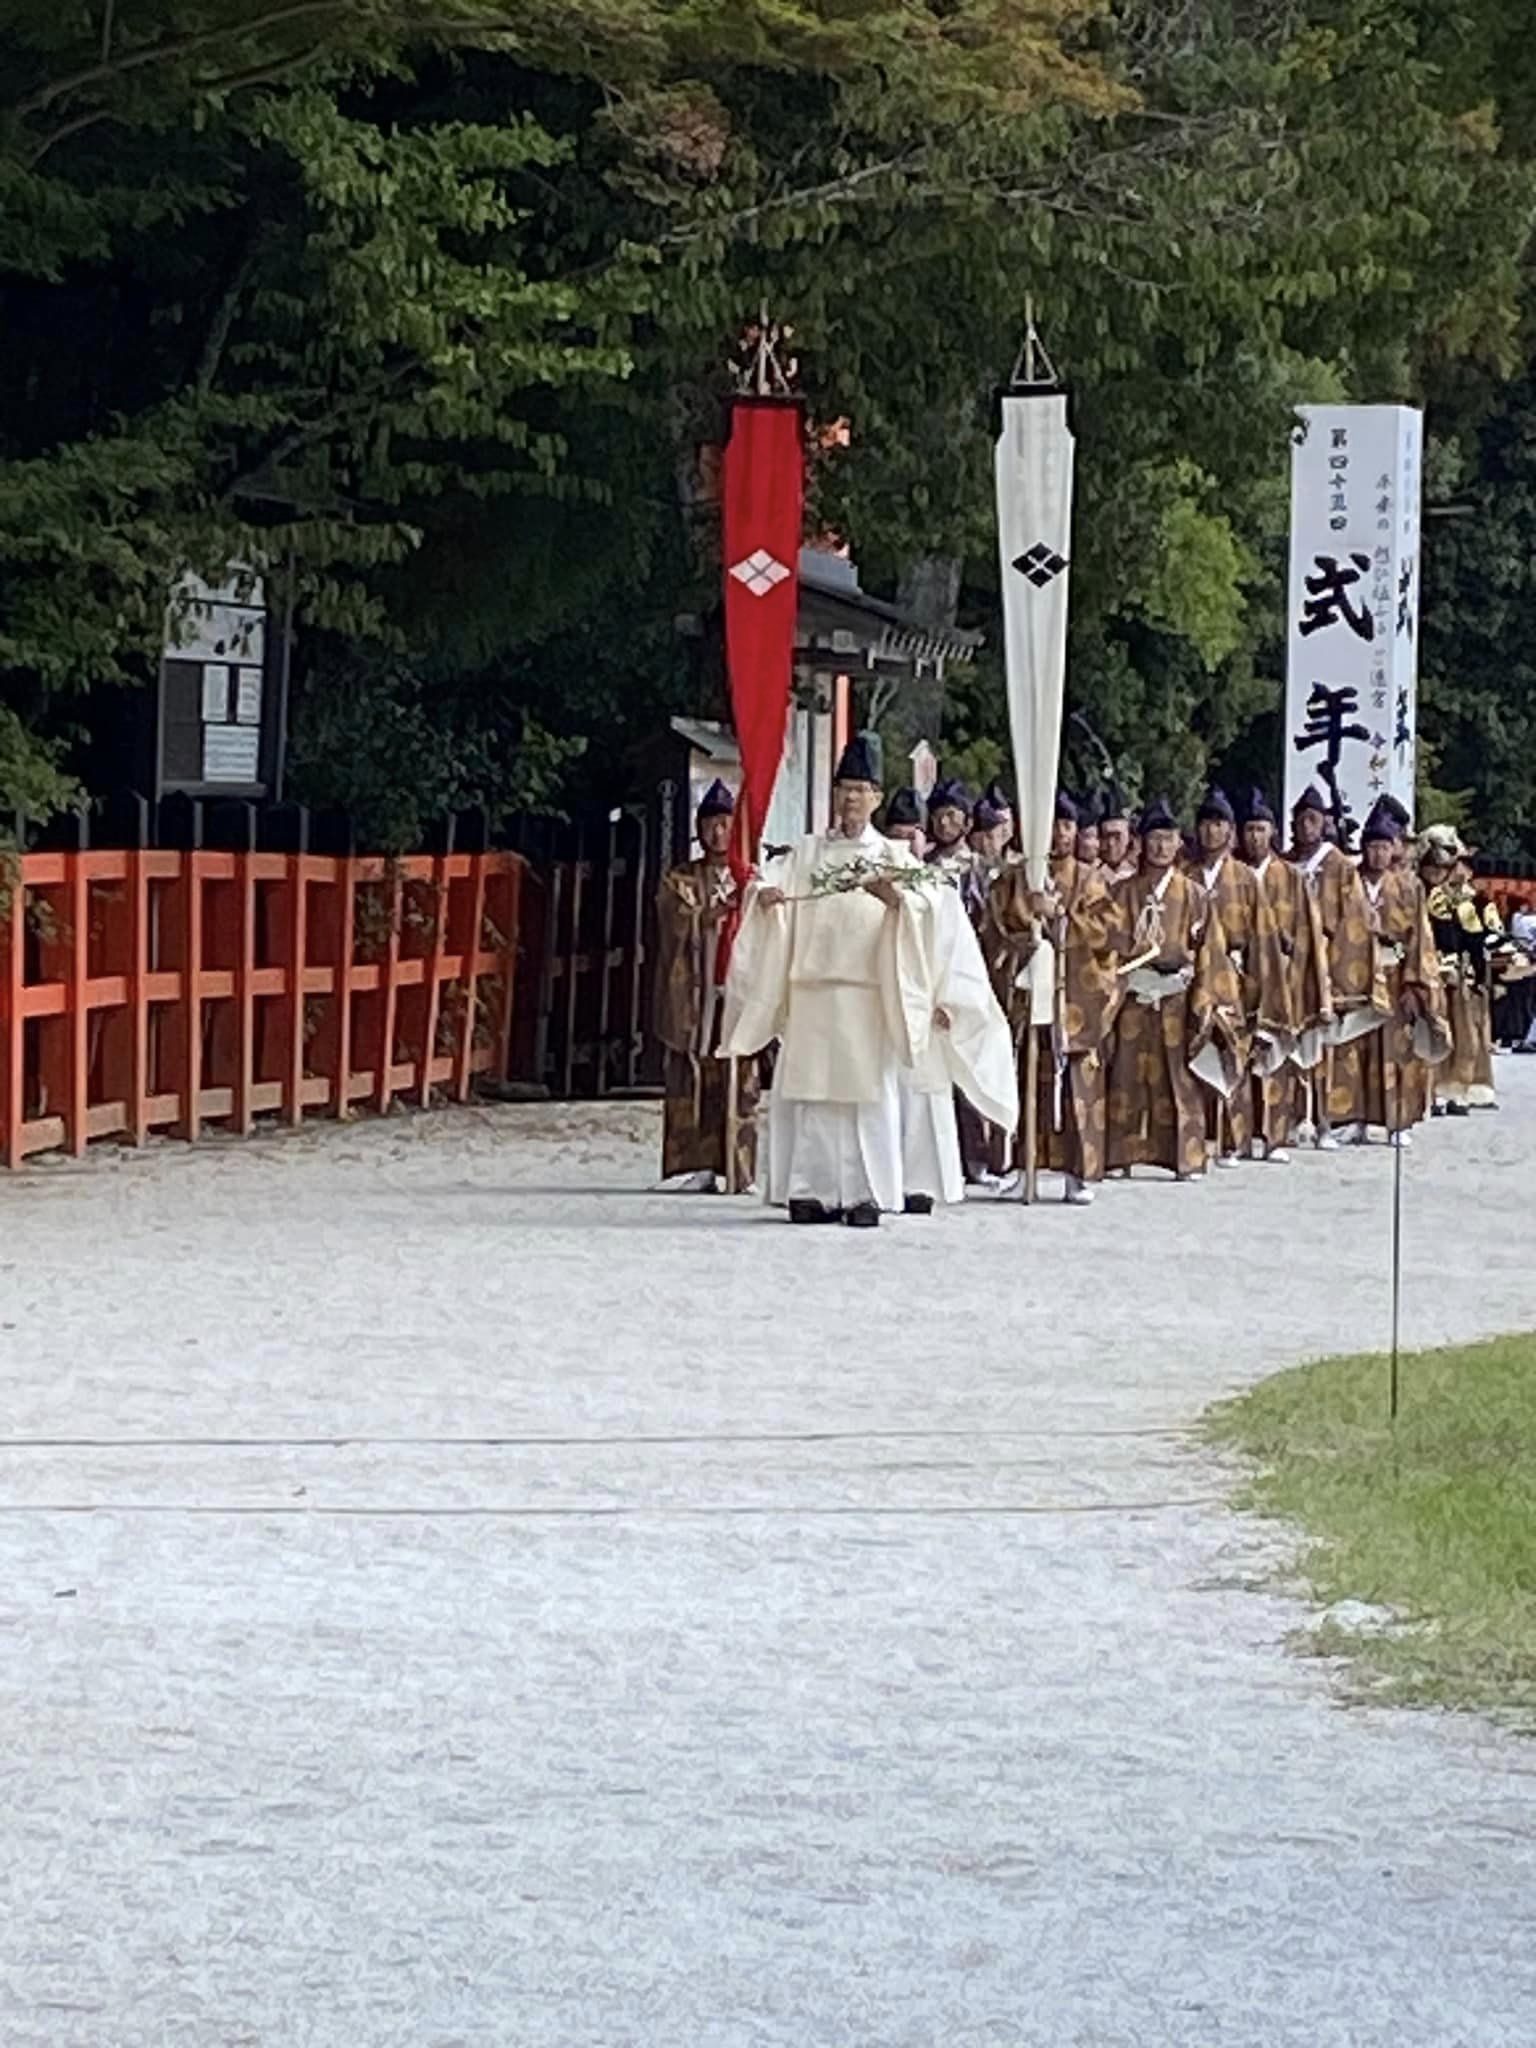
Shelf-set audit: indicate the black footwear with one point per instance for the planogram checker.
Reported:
(812, 1212)
(918, 1205)
(1458, 1109)
(863, 1216)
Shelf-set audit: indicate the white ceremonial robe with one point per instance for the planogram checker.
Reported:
(974, 1055)
(842, 982)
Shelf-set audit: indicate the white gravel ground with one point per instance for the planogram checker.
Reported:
(449, 1596)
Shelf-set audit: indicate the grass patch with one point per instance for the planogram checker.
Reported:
(1435, 1520)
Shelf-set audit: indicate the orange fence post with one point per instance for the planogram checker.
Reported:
(346, 913)
(389, 994)
(502, 1042)
(431, 1007)
(464, 1051)
(77, 943)
(242, 1115)
(297, 959)
(12, 1022)
(190, 1079)
(138, 999)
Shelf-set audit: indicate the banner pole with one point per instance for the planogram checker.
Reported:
(1397, 1275)
(1028, 1183)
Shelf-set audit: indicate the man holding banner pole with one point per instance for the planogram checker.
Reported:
(1033, 473)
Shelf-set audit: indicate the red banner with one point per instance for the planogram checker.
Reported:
(762, 501)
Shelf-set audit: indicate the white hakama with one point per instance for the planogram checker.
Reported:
(930, 1143)
(837, 1153)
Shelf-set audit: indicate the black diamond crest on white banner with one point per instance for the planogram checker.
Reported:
(1039, 565)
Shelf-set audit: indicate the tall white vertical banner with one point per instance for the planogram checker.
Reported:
(1351, 694)
(1034, 531)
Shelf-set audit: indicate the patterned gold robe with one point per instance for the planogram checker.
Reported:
(1069, 1081)
(1278, 1099)
(1268, 1017)
(687, 1022)
(1357, 993)
(1382, 1078)
(1156, 1098)
(1461, 934)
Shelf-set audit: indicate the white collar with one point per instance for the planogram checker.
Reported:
(1314, 861)
(1160, 888)
(1211, 871)
(1263, 867)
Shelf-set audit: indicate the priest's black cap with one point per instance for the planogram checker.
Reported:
(904, 808)
(1214, 805)
(717, 801)
(857, 763)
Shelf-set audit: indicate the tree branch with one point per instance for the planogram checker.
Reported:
(257, 74)
(170, 51)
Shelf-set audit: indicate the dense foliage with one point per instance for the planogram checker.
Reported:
(430, 314)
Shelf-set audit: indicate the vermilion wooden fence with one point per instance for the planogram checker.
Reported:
(146, 991)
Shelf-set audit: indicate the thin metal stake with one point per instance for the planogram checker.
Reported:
(1397, 1267)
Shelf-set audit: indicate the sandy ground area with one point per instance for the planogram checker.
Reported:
(451, 1596)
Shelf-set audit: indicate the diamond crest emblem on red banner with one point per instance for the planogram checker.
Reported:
(760, 572)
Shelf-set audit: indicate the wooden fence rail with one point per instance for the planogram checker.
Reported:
(145, 991)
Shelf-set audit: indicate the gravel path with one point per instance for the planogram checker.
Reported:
(519, 1611)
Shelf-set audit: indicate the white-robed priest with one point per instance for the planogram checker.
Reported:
(969, 1047)
(842, 976)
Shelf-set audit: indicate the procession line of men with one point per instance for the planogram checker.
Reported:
(1189, 1004)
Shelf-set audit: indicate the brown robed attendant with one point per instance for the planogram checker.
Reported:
(700, 1118)
(1383, 1077)
(1462, 932)
(1278, 1096)
(1179, 1024)
(1253, 945)
(1356, 991)
(1117, 848)
(1076, 913)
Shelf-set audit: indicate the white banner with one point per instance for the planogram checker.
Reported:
(1034, 531)
(1351, 695)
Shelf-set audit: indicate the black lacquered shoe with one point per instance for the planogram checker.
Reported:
(863, 1216)
(813, 1212)
(918, 1205)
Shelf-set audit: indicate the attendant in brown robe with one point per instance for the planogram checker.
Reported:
(1076, 913)
(1382, 1078)
(1278, 1097)
(1088, 848)
(1117, 853)
(691, 906)
(1357, 994)
(1461, 934)
(1253, 945)
(1179, 1022)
